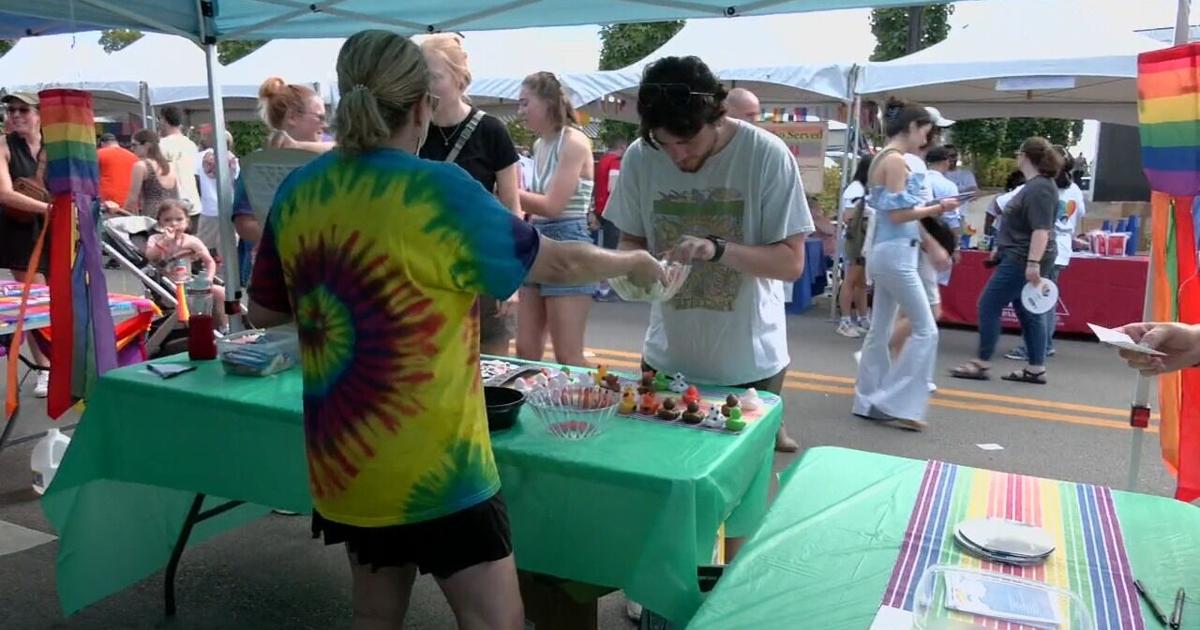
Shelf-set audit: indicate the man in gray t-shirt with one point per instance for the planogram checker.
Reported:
(725, 197)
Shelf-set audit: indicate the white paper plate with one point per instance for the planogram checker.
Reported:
(1007, 537)
(1038, 300)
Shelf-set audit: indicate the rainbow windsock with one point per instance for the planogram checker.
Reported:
(1169, 114)
(85, 338)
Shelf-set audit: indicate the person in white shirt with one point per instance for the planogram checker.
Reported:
(182, 153)
(726, 197)
(963, 178)
(206, 173)
(852, 296)
(1072, 208)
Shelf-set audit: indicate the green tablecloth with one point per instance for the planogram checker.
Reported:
(824, 553)
(637, 507)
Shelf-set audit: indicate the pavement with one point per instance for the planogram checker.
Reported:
(271, 574)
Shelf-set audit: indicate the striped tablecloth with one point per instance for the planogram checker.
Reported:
(37, 313)
(1090, 558)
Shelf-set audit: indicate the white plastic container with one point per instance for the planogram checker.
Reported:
(47, 455)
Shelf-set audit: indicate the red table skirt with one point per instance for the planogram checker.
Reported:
(1100, 290)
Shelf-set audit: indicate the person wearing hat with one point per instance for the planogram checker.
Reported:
(116, 171)
(24, 203)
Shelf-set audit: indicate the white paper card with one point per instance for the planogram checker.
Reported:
(1119, 339)
(888, 618)
(990, 447)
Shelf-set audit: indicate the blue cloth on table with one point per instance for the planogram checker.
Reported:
(813, 281)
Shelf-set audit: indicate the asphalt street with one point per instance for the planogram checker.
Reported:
(271, 574)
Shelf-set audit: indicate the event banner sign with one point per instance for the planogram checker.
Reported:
(807, 142)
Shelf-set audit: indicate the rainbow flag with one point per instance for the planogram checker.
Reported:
(85, 343)
(1089, 558)
(1169, 115)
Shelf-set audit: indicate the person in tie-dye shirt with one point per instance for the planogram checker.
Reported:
(379, 257)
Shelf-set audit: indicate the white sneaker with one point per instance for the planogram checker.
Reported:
(633, 610)
(864, 324)
(857, 357)
(42, 388)
(932, 387)
(846, 329)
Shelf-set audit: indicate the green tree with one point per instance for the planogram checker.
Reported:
(624, 44)
(890, 27)
(6, 45)
(232, 50)
(521, 136)
(248, 135)
(115, 39)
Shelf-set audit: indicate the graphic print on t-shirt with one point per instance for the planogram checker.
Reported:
(711, 211)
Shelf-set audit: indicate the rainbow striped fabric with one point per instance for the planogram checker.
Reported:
(1089, 559)
(1169, 115)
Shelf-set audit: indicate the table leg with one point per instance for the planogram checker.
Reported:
(194, 515)
(549, 607)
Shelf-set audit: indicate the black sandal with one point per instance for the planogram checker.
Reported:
(972, 370)
(1025, 376)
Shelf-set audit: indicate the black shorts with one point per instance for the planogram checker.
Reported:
(442, 546)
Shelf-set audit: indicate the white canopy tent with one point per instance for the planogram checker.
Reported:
(173, 69)
(778, 81)
(303, 61)
(1039, 67)
(76, 61)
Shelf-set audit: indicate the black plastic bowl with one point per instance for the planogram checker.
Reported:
(503, 407)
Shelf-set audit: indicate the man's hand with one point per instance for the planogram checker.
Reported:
(1180, 343)
(691, 248)
(647, 270)
(1033, 275)
(949, 204)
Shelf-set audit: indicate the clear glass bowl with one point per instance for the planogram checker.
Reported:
(677, 274)
(984, 588)
(574, 412)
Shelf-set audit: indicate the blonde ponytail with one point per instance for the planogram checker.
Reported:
(382, 76)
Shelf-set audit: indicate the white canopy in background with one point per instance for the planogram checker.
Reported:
(305, 61)
(76, 61)
(173, 69)
(810, 61)
(1039, 64)
(500, 61)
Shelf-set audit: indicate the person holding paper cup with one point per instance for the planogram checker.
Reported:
(1024, 254)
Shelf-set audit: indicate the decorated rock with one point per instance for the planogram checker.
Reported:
(692, 415)
(647, 383)
(612, 382)
(678, 383)
(649, 405)
(714, 418)
(660, 382)
(599, 375)
(669, 410)
(691, 394)
(731, 403)
(735, 425)
(751, 400)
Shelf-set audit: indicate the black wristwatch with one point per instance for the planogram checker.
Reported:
(718, 247)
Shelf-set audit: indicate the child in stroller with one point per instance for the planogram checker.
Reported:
(176, 251)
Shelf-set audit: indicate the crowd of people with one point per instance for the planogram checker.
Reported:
(398, 250)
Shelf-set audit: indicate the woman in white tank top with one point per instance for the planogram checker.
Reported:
(558, 204)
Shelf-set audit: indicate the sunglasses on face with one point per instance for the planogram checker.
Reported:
(677, 93)
(14, 110)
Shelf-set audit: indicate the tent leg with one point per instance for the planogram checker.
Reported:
(228, 240)
(851, 144)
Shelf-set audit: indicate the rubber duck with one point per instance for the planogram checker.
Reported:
(647, 384)
(731, 403)
(751, 401)
(735, 424)
(669, 410)
(678, 383)
(649, 405)
(691, 395)
(692, 415)
(628, 402)
(599, 375)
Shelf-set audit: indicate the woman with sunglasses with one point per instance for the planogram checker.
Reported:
(559, 202)
(480, 144)
(24, 204)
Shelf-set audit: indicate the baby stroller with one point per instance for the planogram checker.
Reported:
(124, 240)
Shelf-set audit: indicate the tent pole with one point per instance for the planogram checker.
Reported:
(228, 241)
(1141, 392)
(144, 98)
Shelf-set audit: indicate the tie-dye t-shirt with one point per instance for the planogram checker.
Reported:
(380, 258)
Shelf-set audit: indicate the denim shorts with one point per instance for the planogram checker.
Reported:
(564, 230)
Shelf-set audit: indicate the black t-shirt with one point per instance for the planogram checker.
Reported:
(488, 150)
(1034, 208)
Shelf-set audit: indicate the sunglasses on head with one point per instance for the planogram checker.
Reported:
(678, 93)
